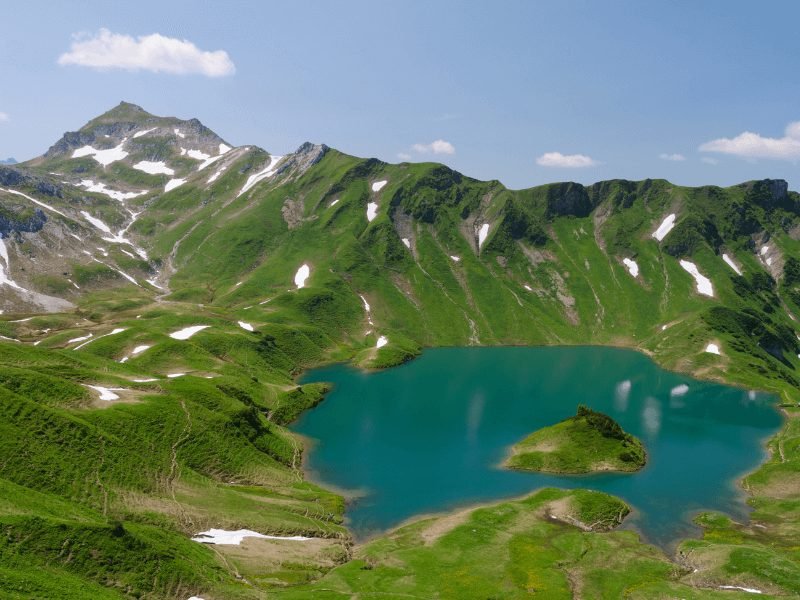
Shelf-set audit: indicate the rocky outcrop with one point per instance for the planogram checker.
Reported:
(10, 223)
(769, 193)
(15, 177)
(305, 157)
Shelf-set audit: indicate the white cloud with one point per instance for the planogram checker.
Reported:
(435, 147)
(753, 145)
(568, 161)
(106, 50)
(4, 117)
(403, 156)
(673, 157)
(709, 161)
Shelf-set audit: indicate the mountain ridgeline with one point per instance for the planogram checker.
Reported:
(136, 227)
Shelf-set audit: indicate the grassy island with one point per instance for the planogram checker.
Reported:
(588, 442)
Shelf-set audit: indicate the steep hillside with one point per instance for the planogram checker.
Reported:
(161, 290)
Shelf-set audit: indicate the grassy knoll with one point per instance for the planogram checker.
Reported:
(588, 442)
(547, 545)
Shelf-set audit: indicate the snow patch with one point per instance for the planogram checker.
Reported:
(175, 375)
(114, 332)
(382, 341)
(80, 339)
(104, 157)
(5, 267)
(209, 161)
(407, 242)
(246, 326)
(106, 394)
(197, 155)
(483, 232)
(100, 188)
(703, 283)
(173, 183)
(731, 264)
(378, 185)
(633, 268)
(115, 238)
(224, 149)
(367, 309)
(455, 258)
(154, 168)
(744, 589)
(527, 287)
(713, 349)
(334, 203)
(666, 226)
(187, 332)
(302, 274)
(178, 133)
(234, 538)
(267, 172)
(372, 211)
(145, 132)
(216, 175)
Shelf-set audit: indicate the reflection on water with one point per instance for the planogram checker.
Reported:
(428, 436)
(621, 394)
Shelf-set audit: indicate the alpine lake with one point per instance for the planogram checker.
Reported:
(429, 436)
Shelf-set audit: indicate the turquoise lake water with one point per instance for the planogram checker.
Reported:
(427, 436)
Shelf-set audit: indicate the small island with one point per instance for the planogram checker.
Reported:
(586, 443)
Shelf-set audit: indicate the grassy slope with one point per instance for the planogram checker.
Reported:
(134, 479)
(577, 445)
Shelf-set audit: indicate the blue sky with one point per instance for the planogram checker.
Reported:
(507, 90)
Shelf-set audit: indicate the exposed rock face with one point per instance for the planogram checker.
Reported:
(15, 176)
(9, 224)
(305, 157)
(768, 193)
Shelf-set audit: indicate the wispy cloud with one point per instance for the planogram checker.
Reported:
(673, 157)
(435, 147)
(403, 156)
(567, 161)
(447, 117)
(709, 161)
(4, 117)
(106, 50)
(754, 145)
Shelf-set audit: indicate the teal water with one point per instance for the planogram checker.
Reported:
(427, 436)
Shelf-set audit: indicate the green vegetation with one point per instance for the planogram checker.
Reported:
(590, 441)
(99, 499)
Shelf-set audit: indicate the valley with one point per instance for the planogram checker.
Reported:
(162, 293)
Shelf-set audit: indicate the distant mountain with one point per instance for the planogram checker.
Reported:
(8, 161)
(136, 232)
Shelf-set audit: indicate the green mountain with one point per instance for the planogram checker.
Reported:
(134, 228)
